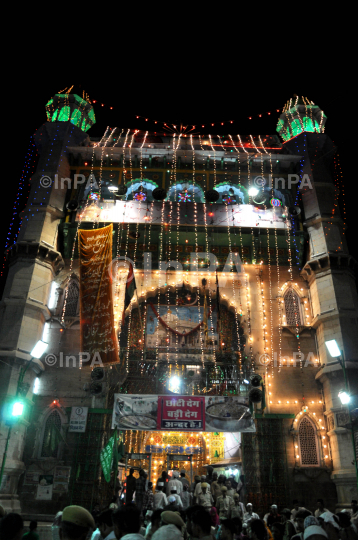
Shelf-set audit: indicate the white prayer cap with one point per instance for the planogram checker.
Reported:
(313, 530)
(160, 483)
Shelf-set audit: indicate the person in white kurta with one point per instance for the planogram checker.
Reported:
(178, 501)
(249, 515)
(175, 482)
(159, 498)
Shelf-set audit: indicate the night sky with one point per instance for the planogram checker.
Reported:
(186, 102)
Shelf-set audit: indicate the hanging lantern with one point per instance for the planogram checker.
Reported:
(294, 210)
(122, 190)
(159, 194)
(212, 195)
(255, 395)
(255, 380)
(72, 205)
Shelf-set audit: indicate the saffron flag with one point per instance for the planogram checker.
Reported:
(98, 336)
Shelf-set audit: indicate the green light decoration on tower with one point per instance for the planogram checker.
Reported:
(300, 115)
(71, 108)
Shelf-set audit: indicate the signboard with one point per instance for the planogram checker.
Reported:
(138, 456)
(171, 449)
(61, 479)
(44, 488)
(178, 457)
(182, 413)
(78, 420)
(240, 215)
(32, 478)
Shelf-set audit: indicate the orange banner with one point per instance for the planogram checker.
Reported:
(98, 336)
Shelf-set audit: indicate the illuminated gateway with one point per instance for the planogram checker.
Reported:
(241, 275)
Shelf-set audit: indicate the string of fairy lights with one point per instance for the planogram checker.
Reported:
(196, 253)
(234, 301)
(29, 167)
(166, 124)
(166, 238)
(247, 286)
(207, 247)
(136, 440)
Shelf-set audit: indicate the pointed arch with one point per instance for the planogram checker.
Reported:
(308, 443)
(236, 190)
(292, 307)
(146, 185)
(73, 295)
(51, 436)
(195, 191)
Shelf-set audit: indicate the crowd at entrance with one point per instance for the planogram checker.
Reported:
(208, 509)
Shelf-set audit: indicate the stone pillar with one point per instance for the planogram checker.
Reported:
(329, 273)
(34, 261)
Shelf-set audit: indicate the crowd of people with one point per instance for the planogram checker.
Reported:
(209, 509)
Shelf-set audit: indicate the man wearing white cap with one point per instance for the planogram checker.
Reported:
(176, 483)
(249, 515)
(273, 516)
(174, 495)
(159, 499)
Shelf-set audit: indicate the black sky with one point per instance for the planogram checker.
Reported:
(187, 102)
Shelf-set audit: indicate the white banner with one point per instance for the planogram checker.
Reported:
(78, 420)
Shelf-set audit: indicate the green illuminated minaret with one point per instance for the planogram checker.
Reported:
(299, 115)
(71, 107)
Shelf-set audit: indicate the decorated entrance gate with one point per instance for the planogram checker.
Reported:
(87, 484)
(265, 465)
